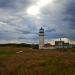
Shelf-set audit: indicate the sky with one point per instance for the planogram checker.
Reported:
(20, 20)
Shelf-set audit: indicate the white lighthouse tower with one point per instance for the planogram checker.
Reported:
(41, 38)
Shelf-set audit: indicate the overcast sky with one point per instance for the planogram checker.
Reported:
(20, 20)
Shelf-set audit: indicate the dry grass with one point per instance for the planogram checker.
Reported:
(37, 62)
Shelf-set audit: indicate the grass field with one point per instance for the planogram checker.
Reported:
(36, 62)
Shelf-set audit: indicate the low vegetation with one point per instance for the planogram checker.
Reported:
(28, 61)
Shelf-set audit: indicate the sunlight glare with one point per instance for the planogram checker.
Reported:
(43, 3)
(35, 9)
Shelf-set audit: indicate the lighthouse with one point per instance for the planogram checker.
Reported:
(41, 38)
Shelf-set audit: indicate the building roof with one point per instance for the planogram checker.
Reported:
(41, 28)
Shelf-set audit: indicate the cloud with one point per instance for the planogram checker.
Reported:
(15, 3)
(16, 25)
(70, 12)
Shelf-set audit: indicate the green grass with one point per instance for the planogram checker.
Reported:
(7, 53)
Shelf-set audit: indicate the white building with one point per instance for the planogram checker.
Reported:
(41, 38)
